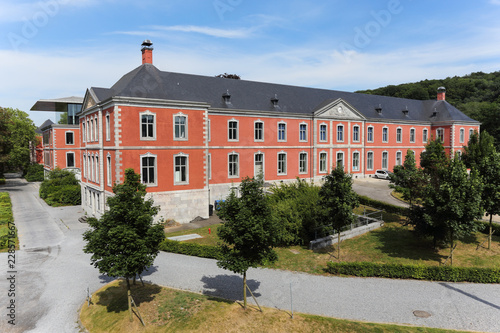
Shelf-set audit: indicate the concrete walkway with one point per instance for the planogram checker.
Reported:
(53, 275)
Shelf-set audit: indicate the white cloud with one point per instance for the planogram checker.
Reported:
(213, 32)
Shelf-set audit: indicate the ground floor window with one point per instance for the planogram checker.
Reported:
(181, 170)
(148, 168)
(303, 163)
(281, 163)
(355, 161)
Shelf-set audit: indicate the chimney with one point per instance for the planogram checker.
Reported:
(147, 52)
(441, 96)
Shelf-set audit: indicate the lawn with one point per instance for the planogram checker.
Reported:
(171, 310)
(6, 218)
(393, 243)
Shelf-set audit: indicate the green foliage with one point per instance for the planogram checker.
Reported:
(434, 161)
(124, 242)
(61, 189)
(393, 209)
(2, 181)
(190, 249)
(408, 179)
(6, 220)
(418, 272)
(248, 234)
(34, 173)
(295, 210)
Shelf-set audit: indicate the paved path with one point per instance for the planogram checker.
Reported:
(377, 189)
(53, 274)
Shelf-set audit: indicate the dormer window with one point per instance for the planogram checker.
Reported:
(379, 109)
(227, 97)
(275, 100)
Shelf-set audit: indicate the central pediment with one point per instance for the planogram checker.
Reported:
(338, 109)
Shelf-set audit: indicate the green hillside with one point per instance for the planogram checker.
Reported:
(476, 94)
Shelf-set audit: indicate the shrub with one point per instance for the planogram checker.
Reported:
(190, 249)
(34, 173)
(61, 189)
(418, 272)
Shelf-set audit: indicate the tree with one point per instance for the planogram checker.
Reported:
(434, 161)
(17, 131)
(124, 242)
(248, 234)
(408, 179)
(453, 206)
(337, 200)
(482, 155)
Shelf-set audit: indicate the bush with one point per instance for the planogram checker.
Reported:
(35, 173)
(2, 181)
(190, 249)
(484, 227)
(61, 189)
(383, 206)
(418, 272)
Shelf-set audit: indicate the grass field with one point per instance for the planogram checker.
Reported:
(170, 310)
(393, 243)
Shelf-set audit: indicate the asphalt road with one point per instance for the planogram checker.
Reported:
(52, 275)
(377, 189)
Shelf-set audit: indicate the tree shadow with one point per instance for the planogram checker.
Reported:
(228, 286)
(402, 243)
(115, 299)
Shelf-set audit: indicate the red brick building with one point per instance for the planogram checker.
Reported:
(193, 137)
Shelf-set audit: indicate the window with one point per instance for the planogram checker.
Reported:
(355, 161)
(89, 168)
(258, 131)
(209, 130)
(322, 132)
(70, 160)
(108, 170)
(96, 129)
(88, 130)
(180, 127)
(462, 135)
(385, 134)
(355, 133)
(385, 161)
(369, 160)
(412, 135)
(281, 163)
(340, 159)
(108, 128)
(70, 138)
(281, 131)
(399, 134)
(92, 130)
(148, 169)
(83, 132)
(399, 157)
(440, 134)
(424, 135)
(340, 133)
(303, 132)
(97, 169)
(209, 166)
(322, 162)
(92, 169)
(232, 127)
(181, 169)
(369, 134)
(84, 169)
(258, 165)
(471, 132)
(147, 126)
(233, 165)
(302, 162)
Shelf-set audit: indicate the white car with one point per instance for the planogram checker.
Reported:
(382, 174)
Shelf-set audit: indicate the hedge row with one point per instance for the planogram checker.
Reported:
(382, 205)
(190, 249)
(418, 272)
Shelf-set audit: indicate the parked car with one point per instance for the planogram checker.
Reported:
(383, 174)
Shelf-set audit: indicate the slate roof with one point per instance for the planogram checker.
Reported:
(147, 81)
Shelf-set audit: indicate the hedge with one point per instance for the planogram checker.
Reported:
(190, 249)
(35, 173)
(382, 205)
(418, 272)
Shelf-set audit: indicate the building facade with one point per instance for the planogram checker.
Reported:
(193, 138)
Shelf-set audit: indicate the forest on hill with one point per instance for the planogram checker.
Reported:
(475, 94)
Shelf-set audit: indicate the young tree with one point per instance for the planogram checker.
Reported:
(337, 200)
(482, 155)
(124, 242)
(409, 179)
(453, 206)
(434, 161)
(248, 233)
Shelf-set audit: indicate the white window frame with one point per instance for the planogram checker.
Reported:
(97, 169)
(108, 127)
(155, 170)
(91, 129)
(66, 138)
(209, 166)
(255, 174)
(385, 133)
(231, 131)
(355, 133)
(321, 131)
(74, 161)
(108, 170)
(399, 157)
(337, 159)
(440, 130)
(153, 126)
(84, 166)
(83, 131)
(471, 132)
(369, 160)
(385, 165)
(282, 134)
(303, 131)
(186, 127)
(355, 166)
(462, 135)
(413, 134)
(96, 129)
(370, 136)
(186, 169)
(282, 171)
(399, 134)
(304, 171)
(209, 130)
(323, 162)
(229, 162)
(341, 133)
(425, 135)
(258, 130)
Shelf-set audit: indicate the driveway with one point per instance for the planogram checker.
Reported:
(53, 274)
(377, 189)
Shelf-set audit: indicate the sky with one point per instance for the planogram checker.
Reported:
(60, 48)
